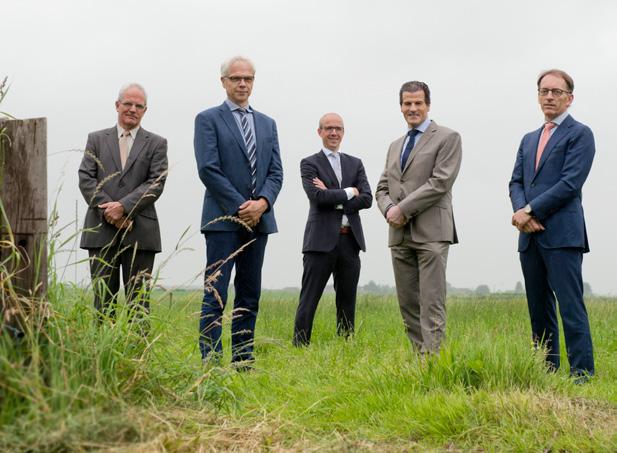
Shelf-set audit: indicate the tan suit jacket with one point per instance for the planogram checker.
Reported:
(422, 190)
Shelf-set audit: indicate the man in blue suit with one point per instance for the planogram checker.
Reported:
(238, 161)
(551, 167)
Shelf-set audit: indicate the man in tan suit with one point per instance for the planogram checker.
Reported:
(414, 195)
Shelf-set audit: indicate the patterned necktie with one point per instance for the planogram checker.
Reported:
(251, 147)
(546, 133)
(124, 147)
(410, 144)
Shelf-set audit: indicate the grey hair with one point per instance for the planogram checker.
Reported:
(132, 85)
(227, 64)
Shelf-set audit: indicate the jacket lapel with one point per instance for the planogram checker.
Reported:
(395, 167)
(530, 162)
(329, 171)
(345, 171)
(141, 139)
(260, 135)
(424, 139)
(113, 147)
(559, 133)
(229, 119)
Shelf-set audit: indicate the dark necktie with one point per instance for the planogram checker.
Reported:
(412, 139)
(251, 148)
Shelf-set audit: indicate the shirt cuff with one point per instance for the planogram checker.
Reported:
(349, 192)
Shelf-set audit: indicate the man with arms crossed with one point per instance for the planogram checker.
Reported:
(121, 175)
(414, 195)
(238, 161)
(337, 189)
(551, 167)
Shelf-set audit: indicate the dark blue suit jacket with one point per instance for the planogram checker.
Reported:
(324, 221)
(224, 168)
(554, 191)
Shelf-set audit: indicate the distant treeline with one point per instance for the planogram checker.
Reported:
(375, 288)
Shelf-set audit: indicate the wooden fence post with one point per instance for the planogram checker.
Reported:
(23, 192)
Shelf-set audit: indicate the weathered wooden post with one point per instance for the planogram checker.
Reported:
(23, 193)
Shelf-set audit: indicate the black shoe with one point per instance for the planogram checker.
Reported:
(580, 377)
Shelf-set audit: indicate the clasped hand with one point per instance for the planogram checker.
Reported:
(395, 217)
(250, 211)
(526, 223)
(114, 214)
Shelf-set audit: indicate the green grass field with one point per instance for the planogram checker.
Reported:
(80, 388)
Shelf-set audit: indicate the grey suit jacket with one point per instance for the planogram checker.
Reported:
(422, 189)
(137, 187)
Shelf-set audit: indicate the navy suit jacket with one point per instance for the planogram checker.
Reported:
(324, 220)
(224, 168)
(554, 190)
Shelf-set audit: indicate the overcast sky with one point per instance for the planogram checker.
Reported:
(67, 59)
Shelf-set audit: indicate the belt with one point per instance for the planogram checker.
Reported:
(345, 230)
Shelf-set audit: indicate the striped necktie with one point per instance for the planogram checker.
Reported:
(251, 147)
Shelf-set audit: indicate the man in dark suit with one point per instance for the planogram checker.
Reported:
(337, 189)
(121, 175)
(551, 167)
(238, 161)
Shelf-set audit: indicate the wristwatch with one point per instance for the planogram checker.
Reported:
(527, 209)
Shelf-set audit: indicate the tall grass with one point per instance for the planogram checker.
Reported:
(487, 390)
(81, 386)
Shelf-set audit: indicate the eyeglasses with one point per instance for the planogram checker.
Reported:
(556, 91)
(332, 129)
(238, 79)
(129, 105)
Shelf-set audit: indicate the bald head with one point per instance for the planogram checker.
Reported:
(330, 115)
(331, 131)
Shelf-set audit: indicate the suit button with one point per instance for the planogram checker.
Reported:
(533, 184)
(121, 184)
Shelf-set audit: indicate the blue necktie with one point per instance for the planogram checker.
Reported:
(410, 144)
(249, 141)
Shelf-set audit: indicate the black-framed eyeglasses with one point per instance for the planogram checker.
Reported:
(556, 92)
(129, 105)
(238, 79)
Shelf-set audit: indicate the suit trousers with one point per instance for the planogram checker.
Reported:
(220, 246)
(136, 266)
(551, 273)
(343, 262)
(420, 277)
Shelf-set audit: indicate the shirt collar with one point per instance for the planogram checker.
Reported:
(422, 127)
(329, 152)
(133, 131)
(560, 118)
(233, 106)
